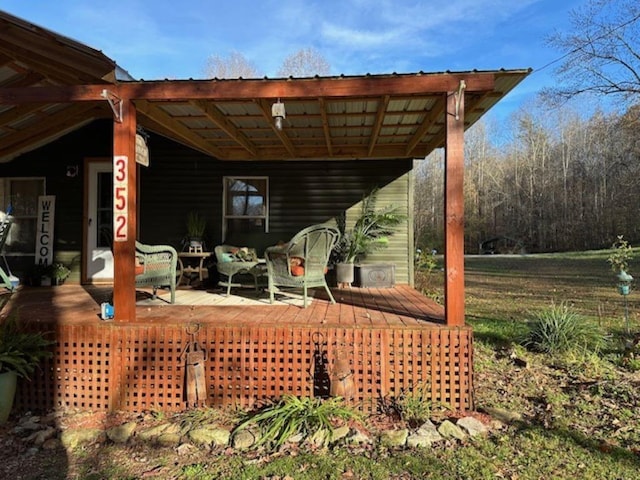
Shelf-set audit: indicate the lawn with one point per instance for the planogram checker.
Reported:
(571, 415)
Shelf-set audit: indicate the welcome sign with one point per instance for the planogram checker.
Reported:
(44, 229)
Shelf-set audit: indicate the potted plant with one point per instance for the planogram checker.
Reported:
(619, 260)
(20, 354)
(58, 273)
(196, 225)
(370, 232)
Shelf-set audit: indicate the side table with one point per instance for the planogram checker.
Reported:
(192, 262)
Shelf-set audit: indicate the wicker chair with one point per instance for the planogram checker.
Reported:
(302, 262)
(229, 266)
(156, 267)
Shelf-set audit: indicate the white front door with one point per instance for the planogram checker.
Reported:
(99, 259)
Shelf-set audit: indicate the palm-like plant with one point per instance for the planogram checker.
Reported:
(370, 232)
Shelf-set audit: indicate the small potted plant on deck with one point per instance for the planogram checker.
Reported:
(196, 225)
(58, 273)
(20, 353)
(370, 232)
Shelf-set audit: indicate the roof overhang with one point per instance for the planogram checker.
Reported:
(50, 85)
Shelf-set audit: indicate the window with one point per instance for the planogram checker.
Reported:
(22, 195)
(245, 204)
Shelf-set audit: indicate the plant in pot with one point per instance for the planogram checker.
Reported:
(196, 225)
(58, 273)
(370, 232)
(20, 353)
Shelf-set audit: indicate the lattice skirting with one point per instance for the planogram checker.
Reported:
(137, 367)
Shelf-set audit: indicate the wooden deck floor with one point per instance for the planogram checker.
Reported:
(401, 306)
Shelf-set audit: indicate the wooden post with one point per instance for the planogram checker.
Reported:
(454, 210)
(124, 214)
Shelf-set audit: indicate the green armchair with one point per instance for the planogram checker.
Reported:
(302, 262)
(156, 267)
(230, 263)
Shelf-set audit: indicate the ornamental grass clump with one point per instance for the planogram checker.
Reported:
(558, 329)
(415, 405)
(297, 416)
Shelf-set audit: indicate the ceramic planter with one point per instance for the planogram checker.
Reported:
(8, 383)
(345, 273)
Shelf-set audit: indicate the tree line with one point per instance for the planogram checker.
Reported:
(558, 180)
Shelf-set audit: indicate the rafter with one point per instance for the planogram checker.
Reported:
(325, 125)
(176, 128)
(46, 129)
(377, 124)
(213, 114)
(427, 123)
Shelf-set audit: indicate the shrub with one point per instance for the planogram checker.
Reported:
(620, 256)
(559, 329)
(415, 405)
(292, 415)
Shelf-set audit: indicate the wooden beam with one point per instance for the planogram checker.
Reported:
(377, 124)
(49, 127)
(325, 126)
(371, 86)
(454, 211)
(217, 117)
(179, 130)
(124, 279)
(427, 123)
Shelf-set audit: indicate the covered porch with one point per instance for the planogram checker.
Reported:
(392, 339)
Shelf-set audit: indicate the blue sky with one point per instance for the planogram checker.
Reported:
(157, 39)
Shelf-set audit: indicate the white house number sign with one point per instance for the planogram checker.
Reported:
(120, 195)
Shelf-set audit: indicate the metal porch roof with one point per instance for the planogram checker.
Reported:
(341, 117)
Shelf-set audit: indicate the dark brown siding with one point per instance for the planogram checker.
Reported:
(179, 180)
(303, 193)
(51, 162)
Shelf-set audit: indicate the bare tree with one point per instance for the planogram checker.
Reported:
(602, 53)
(235, 65)
(306, 62)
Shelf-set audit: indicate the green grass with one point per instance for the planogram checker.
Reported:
(579, 409)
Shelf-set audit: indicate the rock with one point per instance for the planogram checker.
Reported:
(394, 438)
(168, 439)
(425, 436)
(428, 427)
(450, 430)
(297, 438)
(320, 438)
(121, 433)
(74, 437)
(153, 433)
(244, 439)
(339, 433)
(360, 438)
(39, 437)
(472, 426)
(27, 424)
(209, 436)
(51, 444)
(505, 416)
(185, 449)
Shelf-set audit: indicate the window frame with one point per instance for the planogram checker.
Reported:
(225, 217)
(5, 196)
